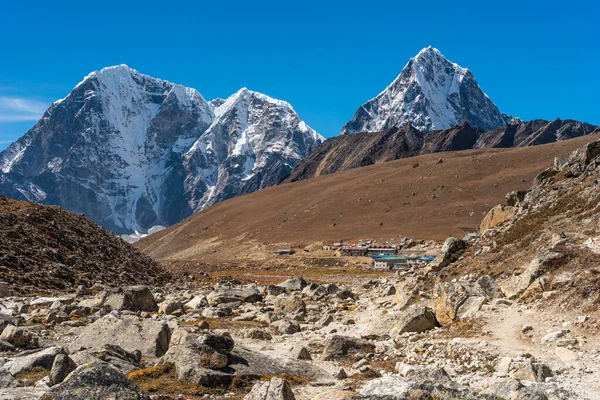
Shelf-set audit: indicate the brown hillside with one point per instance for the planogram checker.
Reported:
(45, 249)
(381, 201)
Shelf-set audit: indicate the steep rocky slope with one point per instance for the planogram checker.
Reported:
(431, 93)
(132, 151)
(380, 201)
(365, 148)
(45, 249)
(543, 242)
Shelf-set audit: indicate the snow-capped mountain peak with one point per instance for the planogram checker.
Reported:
(431, 93)
(132, 151)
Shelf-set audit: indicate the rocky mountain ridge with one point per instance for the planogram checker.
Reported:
(346, 152)
(131, 151)
(431, 93)
(44, 249)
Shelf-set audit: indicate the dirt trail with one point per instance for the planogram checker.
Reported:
(579, 364)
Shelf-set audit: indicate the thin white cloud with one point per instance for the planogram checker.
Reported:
(18, 109)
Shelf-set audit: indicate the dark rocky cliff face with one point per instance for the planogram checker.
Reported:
(131, 151)
(365, 148)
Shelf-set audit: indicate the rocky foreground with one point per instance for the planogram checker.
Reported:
(377, 339)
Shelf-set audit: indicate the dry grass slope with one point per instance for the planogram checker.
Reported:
(382, 201)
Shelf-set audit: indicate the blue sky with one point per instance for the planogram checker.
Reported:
(534, 59)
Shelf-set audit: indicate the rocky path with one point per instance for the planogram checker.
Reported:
(559, 338)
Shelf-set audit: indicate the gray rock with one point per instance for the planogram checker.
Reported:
(242, 363)
(427, 374)
(6, 379)
(290, 305)
(274, 290)
(286, 327)
(247, 294)
(451, 250)
(4, 292)
(339, 346)
(301, 353)
(324, 321)
(275, 389)
(415, 318)
(538, 267)
(133, 298)
(23, 393)
(293, 284)
(257, 334)
(119, 358)
(6, 347)
(506, 388)
(98, 381)
(399, 388)
(43, 358)
(490, 288)
(62, 366)
(19, 337)
(131, 333)
(170, 306)
(197, 302)
(455, 300)
(221, 343)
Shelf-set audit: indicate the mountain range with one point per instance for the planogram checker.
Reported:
(346, 152)
(132, 152)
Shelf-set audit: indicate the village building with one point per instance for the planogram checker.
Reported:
(398, 262)
(284, 252)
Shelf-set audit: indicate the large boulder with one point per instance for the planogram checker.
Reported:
(4, 292)
(541, 264)
(275, 389)
(19, 337)
(133, 298)
(247, 294)
(338, 346)
(42, 359)
(132, 333)
(99, 381)
(196, 355)
(6, 379)
(415, 318)
(290, 305)
(293, 284)
(23, 393)
(451, 251)
(286, 326)
(399, 388)
(221, 343)
(461, 299)
(241, 363)
(197, 302)
(62, 366)
(497, 216)
(170, 307)
(119, 358)
(197, 364)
